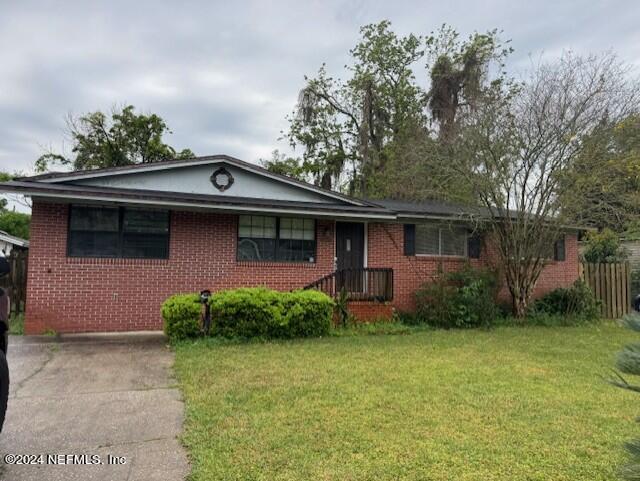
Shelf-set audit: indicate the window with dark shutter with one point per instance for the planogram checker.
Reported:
(474, 246)
(409, 239)
(559, 250)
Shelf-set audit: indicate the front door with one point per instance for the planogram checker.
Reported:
(350, 256)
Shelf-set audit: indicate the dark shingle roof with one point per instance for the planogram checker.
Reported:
(429, 207)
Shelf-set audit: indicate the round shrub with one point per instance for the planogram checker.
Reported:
(308, 313)
(264, 313)
(181, 316)
(247, 312)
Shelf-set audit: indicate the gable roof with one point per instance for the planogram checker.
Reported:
(60, 177)
(113, 185)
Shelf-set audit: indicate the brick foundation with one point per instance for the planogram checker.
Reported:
(83, 295)
(371, 311)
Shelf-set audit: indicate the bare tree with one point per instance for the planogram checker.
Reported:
(522, 140)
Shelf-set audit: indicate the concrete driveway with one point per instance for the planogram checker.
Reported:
(94, 395)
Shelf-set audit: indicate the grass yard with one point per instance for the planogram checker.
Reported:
(507, 404)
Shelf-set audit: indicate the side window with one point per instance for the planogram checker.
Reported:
(118, 232)
(145, 234)
(297, 240)
(437, 240)
(94, 231)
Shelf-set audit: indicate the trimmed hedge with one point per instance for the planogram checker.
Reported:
(260, 312)
(251, 312)
(181, 316)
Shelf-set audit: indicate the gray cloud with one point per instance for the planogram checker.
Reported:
(225, 74)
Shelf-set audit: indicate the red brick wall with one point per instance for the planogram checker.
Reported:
(385, 249)
(371, 311)
(82, 295)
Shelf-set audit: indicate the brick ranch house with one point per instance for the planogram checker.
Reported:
(108, 246)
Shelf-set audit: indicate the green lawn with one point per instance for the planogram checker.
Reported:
(508, 404)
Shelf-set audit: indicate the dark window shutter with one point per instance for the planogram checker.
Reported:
(409, 239)
(559, 250)
(474, 246)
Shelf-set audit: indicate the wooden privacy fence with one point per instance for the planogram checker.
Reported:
(611, 284)
(16, 282)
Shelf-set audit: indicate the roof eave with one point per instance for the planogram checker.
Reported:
(223, 208)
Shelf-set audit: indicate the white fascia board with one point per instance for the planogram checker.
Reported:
(221, 208)
(153, 166)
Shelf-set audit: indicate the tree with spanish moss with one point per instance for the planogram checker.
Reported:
(344, 127)
(363, 134)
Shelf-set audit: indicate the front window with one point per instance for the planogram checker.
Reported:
(262, 238)
(118, 232)
(441, 241)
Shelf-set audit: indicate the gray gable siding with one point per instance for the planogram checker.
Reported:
(196, 180)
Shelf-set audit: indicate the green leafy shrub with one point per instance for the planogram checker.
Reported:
(181, 316)
(604, 246)
(466, 298)
(246, 312)
(307, 313)
(577, 302)
(264, 313)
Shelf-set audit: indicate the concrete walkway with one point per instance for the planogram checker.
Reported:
(94, 395)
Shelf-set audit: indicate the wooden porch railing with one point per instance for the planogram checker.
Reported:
(366, 284)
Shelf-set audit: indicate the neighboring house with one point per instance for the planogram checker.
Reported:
(9, 242)
(109, 245)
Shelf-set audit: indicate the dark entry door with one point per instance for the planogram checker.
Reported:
(350, 256)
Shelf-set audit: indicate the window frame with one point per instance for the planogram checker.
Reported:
(440, 228)
(120, 233)
(277, 241)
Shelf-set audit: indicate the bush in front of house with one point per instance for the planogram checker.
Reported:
(251, 313)
(465, 298)
(308, 313)
(264, 313)
(181, 316)
(246, 312)
(576, 303)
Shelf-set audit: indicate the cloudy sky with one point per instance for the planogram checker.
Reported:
(224, 74)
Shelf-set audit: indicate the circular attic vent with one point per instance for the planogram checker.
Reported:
(222, 179)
